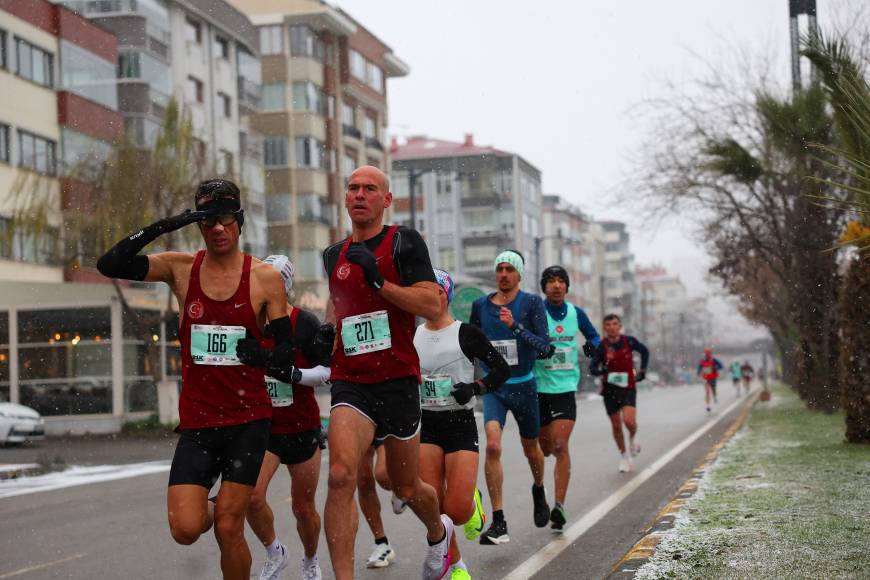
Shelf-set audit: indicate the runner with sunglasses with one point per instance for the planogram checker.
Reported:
(224, 408)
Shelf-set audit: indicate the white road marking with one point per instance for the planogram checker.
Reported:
(79, 475)
(40, 566)
(546, 554)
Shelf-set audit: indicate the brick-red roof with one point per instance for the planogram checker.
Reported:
(425, 147)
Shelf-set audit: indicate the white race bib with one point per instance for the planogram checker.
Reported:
(618, 379)
(212, 344)
(507, 349)
(366, 333)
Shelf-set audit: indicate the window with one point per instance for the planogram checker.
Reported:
(348, 164)
(371, 128)
(2, 48)
(221, 47)
(375, 77)
(195, 89)
(192, 31)
(4, 143)
(34, 63)
(140, 65)
(278, 207)
(357, 65)
(275, 151)
(310, 153)
(36, 153)
(84, 73)
(274, 95)
(271, 40)
(305, 42)
(225, 162)
(446, 259)
(311, 264)
(82, 154)
(348, 116)
(312, 208)
(226, 105)
(308, 97)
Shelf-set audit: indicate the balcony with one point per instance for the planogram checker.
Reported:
(373, 143)
(351, 131)
(250, 95)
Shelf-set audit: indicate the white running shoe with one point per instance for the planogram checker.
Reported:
(311, 569)
(437, 561)
(635, 447)
(624, 465)
(398, 505)
(382, 555)
(274, 564)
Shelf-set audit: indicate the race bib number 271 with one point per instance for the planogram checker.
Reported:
(366, 333)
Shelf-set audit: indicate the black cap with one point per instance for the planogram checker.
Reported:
(554, 272)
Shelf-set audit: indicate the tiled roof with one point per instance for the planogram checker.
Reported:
(425, 147)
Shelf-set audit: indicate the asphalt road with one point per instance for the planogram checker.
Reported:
(118, 529)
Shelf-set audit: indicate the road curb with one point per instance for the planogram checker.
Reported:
(14, 471)
(643, 549)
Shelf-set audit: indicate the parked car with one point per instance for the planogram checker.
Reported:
(19, 424)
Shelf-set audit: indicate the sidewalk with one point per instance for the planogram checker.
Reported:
(786, 498)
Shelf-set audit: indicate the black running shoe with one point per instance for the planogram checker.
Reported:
(496, 534)
(541, 510)
(558, 518)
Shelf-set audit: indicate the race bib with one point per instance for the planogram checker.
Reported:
(435, 391)
(507, 349)
(212, 344)
(366, 333)
(617, 379)
(280, 392)
(560, 360)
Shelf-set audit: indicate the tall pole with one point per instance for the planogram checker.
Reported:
(412, 198)
(795, 9)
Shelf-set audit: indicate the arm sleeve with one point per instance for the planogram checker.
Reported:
(538, 336)
(637, 345)
(475, 314)
(718, 364)
(304, 339)
(413, 259)
(315, 377)
(596, 368)
(586, 327)
(475, 345)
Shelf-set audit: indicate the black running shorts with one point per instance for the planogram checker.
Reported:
(615, 398)
(450, 430)
(393, 406)
(557, 406)
(232, 453)
(294, 448)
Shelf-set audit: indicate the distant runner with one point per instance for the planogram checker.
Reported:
(708, 369)
(558, 378)
(746, 373)
(224, 408)
(615, 364)
(735, 376)
(516, 324)
(449, 448)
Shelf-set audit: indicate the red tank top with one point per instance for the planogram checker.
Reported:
(217, 395)
(620, 361)
(708, 369)
(352, 296)
(304, 413)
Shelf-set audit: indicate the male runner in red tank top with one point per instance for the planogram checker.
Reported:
(379, 279)
(224, 408)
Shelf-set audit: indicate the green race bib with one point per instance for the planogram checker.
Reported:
(366, 333)
(560, 360)
(212, 344)
(435, 391)
(281, 393)
(618, 379)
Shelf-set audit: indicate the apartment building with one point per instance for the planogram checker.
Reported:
(57, 73)
(205, 54)
(471, 201)
(566, 240)
(324, 113)
(620, 286)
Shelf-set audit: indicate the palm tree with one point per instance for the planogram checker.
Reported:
(849, 95)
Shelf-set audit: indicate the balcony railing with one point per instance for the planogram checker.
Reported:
(250, 93)
(350, 131)
(373, 143)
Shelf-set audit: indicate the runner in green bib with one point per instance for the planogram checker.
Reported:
(558, 378)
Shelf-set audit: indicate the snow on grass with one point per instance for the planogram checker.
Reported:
(786, 498)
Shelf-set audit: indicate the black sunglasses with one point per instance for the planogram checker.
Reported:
(223, 219)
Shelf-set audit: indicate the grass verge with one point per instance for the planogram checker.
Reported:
(786, 498)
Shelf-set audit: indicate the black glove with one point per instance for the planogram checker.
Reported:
(361, 256)
(588, 349)
(290, 375)
(283, 356)
(641, 375)
(463, 392)
(550, 352)
(186, 217)
(252, 354)
(324, 340)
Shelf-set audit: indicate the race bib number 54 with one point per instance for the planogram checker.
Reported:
(435, 391)
(212, 344)
(366, 333)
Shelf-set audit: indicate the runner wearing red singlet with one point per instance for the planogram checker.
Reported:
(380, 278)
(224, 408)
(708, 369)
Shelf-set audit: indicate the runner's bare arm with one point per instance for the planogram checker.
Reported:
(420, 299)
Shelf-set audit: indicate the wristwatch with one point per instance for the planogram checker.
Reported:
(518, 329)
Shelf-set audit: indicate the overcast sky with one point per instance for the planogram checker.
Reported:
(556, 81)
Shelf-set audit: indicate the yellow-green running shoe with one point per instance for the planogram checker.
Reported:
(474, 526)
(460, 574)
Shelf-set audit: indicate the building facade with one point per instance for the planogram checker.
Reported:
(57, 71)
(620, 286)
(205, 54)
(324, 113)
(470, 202)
